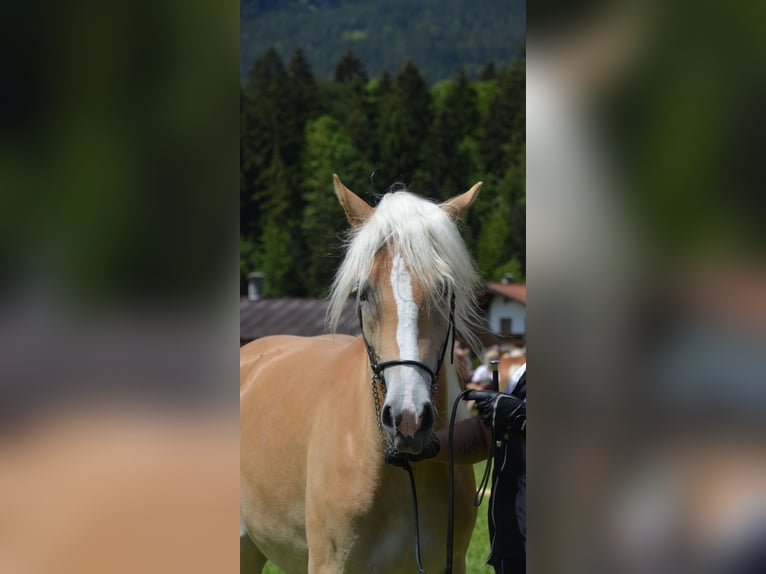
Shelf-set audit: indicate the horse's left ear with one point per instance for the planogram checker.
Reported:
(458, 205)
(357, 210)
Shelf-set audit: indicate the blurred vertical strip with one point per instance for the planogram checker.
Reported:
(119, 164)
(647, 313)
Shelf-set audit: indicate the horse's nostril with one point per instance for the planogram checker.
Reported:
(427, 420)
(386, 417)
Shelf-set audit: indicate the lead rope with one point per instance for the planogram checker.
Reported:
(408, 468)
(393, 456)
(480, 492)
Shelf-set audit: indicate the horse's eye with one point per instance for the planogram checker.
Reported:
(361, 291)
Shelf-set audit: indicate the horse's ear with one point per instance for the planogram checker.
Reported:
(357, 210)
(458, 205)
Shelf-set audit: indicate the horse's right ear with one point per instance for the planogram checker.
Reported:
(357, 210)
(457, 206)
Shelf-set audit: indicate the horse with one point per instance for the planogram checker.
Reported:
(317, 414)
(510, 362)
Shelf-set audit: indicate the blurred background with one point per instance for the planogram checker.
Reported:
(645, 268)
(643, 251)
(118, 348)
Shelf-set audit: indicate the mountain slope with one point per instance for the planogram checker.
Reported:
(440, 36)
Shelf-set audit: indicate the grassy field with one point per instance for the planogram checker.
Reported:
(477, 551)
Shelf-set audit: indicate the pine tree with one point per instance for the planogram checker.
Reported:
(503, 129)
(488, 72)
(499, 216)
(247, 211)
(380, 93)
(385, 84)
(265, 92)
(404, 126)
(329, 150)
(303, 89)
(353, 105)
(270, 165)
(274, 258)
(279, 249)
(267, 74)
(447, 163)
(351, 70)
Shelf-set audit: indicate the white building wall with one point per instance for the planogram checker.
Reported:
(502, 307)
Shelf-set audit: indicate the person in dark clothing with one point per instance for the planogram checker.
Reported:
(503, 417)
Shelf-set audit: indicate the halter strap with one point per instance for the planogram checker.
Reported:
(378, 368)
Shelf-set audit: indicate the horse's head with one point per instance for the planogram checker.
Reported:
(411, 275)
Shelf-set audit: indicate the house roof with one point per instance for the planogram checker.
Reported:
(515, 291)
(304, 317)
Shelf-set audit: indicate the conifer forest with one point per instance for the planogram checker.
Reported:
(297, 129)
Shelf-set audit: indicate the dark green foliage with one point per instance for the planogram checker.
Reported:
(329, 149)
(303, 89)
(297, 131)
(496, 223)
(488, 72)
(405, 119)
(504, 122)
(453, 131)
(350, 70)
(440, 35)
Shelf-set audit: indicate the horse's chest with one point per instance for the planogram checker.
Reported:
(383, 536)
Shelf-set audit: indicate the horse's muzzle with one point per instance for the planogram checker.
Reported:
(410, 445)
(409, 431)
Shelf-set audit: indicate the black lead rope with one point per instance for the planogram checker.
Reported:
(451, 503)
(478, 496)
(408, 468)
(393, 456)
(480, 492)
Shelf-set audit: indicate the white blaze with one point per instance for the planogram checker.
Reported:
(407, 339)
(407, 311)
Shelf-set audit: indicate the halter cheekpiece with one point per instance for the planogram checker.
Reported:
(378, 368)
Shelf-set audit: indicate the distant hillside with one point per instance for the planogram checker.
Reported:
(440, 36)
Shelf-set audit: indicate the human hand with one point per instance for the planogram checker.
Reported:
(500, 412)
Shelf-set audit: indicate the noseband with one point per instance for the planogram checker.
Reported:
(378, 368)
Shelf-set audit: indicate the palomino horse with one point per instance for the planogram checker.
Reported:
(315, 493)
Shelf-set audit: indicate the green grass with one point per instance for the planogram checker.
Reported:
(478, 549)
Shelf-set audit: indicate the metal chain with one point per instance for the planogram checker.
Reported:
(375, 378)
(389, 450)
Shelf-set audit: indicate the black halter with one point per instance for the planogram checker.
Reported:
(378, 368)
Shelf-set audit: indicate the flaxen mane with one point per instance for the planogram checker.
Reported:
(428, 240)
